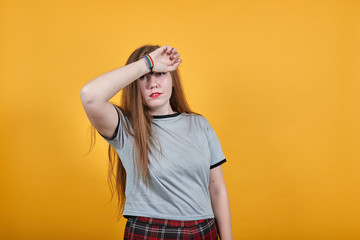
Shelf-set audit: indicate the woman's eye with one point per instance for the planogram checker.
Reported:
(144, 77)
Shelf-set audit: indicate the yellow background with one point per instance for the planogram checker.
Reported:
(278, 81)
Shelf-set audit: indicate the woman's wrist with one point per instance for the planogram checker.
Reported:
(149, 62)
(144, 68)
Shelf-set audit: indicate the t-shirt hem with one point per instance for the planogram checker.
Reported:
(172, 217)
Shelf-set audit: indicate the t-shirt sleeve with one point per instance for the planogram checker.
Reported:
(217, 156)
(119, 137)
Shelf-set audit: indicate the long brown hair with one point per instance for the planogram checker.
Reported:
(136, 111)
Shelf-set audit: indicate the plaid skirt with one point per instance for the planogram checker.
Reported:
(140, 228)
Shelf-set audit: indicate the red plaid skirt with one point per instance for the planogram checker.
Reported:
(140, 228)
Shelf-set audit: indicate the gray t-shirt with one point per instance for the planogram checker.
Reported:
(179, 177)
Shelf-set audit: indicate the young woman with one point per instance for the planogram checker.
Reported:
(169, 179)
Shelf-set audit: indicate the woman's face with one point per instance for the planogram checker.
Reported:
(156, 91)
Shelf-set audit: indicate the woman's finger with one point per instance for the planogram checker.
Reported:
(177, 62)
(174, 66)
(166, 48)
(174, 56)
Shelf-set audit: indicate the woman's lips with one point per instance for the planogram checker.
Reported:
(155, 95)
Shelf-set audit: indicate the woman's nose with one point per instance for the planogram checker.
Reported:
(153, 82)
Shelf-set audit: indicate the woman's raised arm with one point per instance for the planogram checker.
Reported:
(95, 95)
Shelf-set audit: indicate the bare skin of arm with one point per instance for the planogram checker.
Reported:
(220, 203)
(95, 95)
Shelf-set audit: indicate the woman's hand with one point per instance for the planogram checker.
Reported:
(165, 59)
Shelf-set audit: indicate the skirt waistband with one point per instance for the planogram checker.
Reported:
(168, 222)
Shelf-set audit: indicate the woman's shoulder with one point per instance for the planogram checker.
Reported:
(193, 115)
(196, 117)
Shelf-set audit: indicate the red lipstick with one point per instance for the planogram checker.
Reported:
(155, 95)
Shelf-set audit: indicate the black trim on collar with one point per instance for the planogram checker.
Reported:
(166, 116)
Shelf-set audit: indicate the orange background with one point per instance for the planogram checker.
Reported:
(278, 81)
